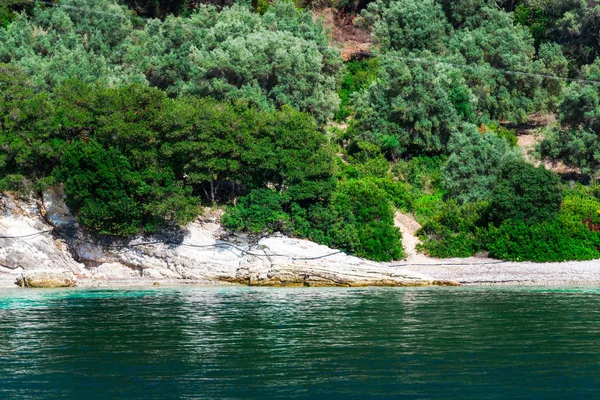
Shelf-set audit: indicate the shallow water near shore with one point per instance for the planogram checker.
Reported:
(242, 342)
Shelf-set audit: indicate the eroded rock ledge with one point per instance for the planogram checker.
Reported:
(46, 236)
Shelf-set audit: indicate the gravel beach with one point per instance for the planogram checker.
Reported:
(478, 271)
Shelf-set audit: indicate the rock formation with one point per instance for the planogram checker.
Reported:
(42, 234)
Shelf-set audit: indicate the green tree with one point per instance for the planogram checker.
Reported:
(281, 57)
(107, 195)
(525, 193)
(413, 108)
(56, 44)
(407, 24)
(576, 140)
(480, 68)
(475, 161)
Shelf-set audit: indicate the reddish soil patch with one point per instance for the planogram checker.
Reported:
(344, 34)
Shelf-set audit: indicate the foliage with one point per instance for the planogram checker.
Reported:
(583, 203)
(422, 172)
(281, 57)
(410, 109)
(507, 134)
(358, 219)
(215, 144)
(536, 19)
(363, 222)
(108, 196)
(576, 141)
(359, 75)
(491, 43)
(407, 24)
(444, 68)
(559, 239)
(573, 24)
(156, 151)
(6, 16)
(259, 211)
(56, 44)
(475, 161)
(451, 230)
(426, 206)
(10, 8)
(525, 193)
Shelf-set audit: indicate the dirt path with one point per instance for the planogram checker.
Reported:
(408, 226)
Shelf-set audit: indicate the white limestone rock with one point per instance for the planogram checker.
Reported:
(26, 240)
(198, 253)
(44, 278)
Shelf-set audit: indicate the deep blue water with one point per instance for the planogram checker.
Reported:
(239, 342)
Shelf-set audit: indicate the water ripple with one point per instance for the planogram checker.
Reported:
(206, 343)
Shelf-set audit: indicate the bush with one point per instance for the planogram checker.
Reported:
(428, 205)
(364, 223)
(422, 172)
(360, 74)
(450, 246)
(507, 134)
(262, 210)
(560, 239)
(581, 206)
(452, 230)
(525, 193)
(474, 163)
(359, 219)
(106, 195)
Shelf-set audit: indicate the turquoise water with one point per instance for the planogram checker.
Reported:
(206, 343)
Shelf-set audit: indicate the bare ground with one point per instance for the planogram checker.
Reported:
(344, 34)
(530, 134)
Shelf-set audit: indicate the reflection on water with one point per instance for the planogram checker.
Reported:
(300, 343)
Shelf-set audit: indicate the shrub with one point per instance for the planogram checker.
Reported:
(108, 196)
(507, 134)
(474, 163)
(358, 219)
(559, 239)
(364, 223)
(262, 210)
(450, 245)
(452, 230)
(422, 172)
(581, 207)
(526, 193)
(427, 206)
(359, 75)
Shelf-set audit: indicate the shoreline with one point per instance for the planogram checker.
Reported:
(488, 272)
(206, 254)
(466, 272)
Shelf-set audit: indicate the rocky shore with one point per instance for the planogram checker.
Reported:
(39, 238)
(41, 235)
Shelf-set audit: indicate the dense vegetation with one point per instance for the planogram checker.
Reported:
(146, 110)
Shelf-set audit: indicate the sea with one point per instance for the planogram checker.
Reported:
(300, 343)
